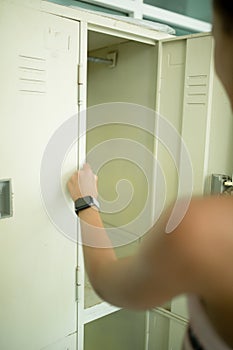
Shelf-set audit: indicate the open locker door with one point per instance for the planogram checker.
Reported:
(184, 96)
(39, 56)
(190, 97)
(185, 87)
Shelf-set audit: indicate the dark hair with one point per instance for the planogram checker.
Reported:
(225, 10)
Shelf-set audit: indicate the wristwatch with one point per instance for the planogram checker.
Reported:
(85, 202)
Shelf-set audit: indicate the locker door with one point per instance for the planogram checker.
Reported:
(185, 79)
(170, 94)
(197, 108)
(185, 86)
(39, 54)
(191, 97)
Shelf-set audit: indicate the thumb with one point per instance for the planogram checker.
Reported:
(86, 166)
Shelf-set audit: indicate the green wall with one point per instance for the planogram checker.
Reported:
(198, 9)
(87, 6)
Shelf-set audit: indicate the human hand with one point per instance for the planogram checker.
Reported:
(83, 183)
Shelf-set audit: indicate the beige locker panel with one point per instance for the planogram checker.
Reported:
(123, 330)
(179, 306)
(185, 101)
(38, 93)
(197, 106)
(194, 101)
(68, 342)
(221, 135)
(158, 332)
(165, 332)
(176, 335)
(170, 105)
(176, 332)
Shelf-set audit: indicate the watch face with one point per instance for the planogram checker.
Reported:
(85, 202)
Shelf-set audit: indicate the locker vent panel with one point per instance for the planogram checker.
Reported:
(197, 89)
(32, 74)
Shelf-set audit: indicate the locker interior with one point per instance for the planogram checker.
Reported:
(133, 80)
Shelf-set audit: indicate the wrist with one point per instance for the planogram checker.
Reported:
(91, 218)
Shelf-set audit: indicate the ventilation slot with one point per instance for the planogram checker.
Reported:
(197, 90)
(32, 75)
(5, 199)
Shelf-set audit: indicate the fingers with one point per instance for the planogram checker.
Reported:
(86, 166)
(74, 177)
(83, 183)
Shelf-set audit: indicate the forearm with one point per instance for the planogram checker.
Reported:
(113, 279)
(97, 247)
(158, 272)
(117, 281)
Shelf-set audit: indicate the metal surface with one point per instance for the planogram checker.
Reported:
(100, 60)
(5, 199)
(221, 184)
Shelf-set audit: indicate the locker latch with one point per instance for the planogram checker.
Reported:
(5, 199)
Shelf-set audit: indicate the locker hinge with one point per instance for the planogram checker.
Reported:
(81, 75)
(77, 282)
(81, 84)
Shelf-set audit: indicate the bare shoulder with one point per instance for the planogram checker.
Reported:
(210, 253)
(210, 217)
(190, 258)
(206, 235)
(211, 205)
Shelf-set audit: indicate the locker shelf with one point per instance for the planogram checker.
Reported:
(91, 298)
(98, 311)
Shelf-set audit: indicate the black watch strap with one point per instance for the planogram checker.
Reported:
(85, 202)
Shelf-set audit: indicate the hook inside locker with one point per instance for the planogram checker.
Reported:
(221, 184)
